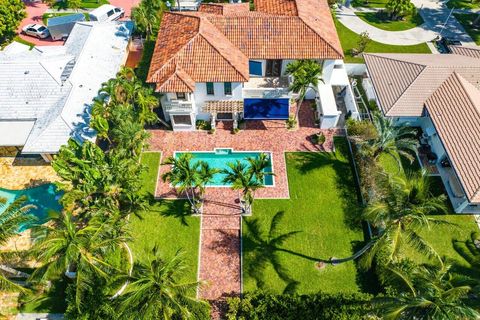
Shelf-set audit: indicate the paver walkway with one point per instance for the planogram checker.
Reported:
(434, 14)
(221, 220)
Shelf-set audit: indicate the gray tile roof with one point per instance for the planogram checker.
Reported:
(56, 85)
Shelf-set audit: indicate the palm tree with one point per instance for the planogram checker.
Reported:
(306, 75)
(391, 139)
(147, 16)
(183, 176)
(258, 166)
(205, 174)
(12, 218)
(76, 250)
(401, 214)
(425, 292)
(242, 179)
(263, 248)
(155, 290)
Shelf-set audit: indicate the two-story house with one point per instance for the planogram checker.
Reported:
(227, 61)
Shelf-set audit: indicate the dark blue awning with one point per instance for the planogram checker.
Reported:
(266, 109)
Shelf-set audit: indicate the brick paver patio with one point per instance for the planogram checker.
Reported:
(221, 219)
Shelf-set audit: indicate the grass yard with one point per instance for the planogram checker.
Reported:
(349, 40)
(370, 3)
(323, 207)
(463, 4)
(166, 224)
(84, 4)
(441, 238)
(410, 21)
(466, 20)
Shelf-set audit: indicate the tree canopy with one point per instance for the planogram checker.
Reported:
(12, 12)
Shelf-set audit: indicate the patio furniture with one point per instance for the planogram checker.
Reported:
(432, 157)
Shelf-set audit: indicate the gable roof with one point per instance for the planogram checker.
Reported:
(473, 52)
(403, 82)
(216, 43)
(455, 112)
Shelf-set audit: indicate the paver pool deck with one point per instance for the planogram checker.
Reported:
(220, 261)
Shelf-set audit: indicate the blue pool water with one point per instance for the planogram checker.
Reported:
(221, 157)
(44, 198)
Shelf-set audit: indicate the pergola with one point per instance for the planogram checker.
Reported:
(224, 106)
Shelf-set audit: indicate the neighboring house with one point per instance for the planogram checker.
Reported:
(225, 62)
(46, 92)
(440, 93)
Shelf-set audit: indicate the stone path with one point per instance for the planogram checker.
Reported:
(433, 13)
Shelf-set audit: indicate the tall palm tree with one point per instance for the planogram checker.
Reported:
(147, 16)
(306, 75)
(183, 176)
(393, 140)
(258, 166)
(264, 247)
(205, 175)
(401, 214)
(157, 292)
(75, 249)
(425, 292)
(12, 218)
(242, 179)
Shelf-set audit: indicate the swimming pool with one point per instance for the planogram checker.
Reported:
(44, 198)
(219, 158)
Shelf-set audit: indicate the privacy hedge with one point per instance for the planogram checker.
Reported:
(260, 305)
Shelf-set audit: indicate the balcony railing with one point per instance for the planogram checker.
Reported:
(267, 87)
(185, 106)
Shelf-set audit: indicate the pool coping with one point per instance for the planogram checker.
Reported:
(273, 185)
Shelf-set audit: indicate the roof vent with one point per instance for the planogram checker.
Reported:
(67, 71)
(26, 72)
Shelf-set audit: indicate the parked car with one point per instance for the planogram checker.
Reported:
(106, 13)
(36, 30)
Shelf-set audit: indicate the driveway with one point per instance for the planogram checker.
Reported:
(434, 13)
(35, 11)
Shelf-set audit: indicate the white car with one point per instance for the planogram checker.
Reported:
(107, 12)
(36, 30)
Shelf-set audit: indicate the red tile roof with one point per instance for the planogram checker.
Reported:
(216, 43)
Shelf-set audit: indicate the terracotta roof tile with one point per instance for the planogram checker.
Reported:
(455, 111)
(215, 44)
(473, 52)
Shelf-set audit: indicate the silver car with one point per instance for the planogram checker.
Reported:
(36, 30)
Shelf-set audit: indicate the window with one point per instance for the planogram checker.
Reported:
(181, 95)
(224, 116)
(227, 88)
(210, 90)
(182, 120)
(110, 13)
(255, 68)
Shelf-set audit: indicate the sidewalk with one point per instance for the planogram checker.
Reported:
(433, 13)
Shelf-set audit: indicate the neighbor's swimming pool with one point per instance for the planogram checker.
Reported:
(219, 158)
(44, 198)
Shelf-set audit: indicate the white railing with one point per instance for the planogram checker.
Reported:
(177, 106)
(266, 93)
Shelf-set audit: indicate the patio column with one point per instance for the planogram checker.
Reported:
(235, 120)
(214, 116)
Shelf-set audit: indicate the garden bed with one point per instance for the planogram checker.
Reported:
(381, 21)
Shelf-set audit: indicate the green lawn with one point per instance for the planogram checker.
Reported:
(323, 206)
(441, 238)
(410, 21)
(463, 4)
(349, 40)
(370, 3)
(84, 4)
(46, 16)
(166, 224)
(466, 20)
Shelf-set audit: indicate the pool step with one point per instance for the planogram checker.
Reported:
(218, 222)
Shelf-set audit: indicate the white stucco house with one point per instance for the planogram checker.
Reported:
(225, 62)
(439, 94)
(46, 92)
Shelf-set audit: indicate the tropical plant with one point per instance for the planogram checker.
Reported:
(147, 16)
(188, 177)
(362, 43)
(399, 8)
(399, 216)
(156, 290)
(12, 217)
(393, 140)
(240, 178)
(424, 292)
(64, 247)
(264, 248)
(11, 14)
(306, 75)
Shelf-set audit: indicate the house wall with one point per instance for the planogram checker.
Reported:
(200, 96)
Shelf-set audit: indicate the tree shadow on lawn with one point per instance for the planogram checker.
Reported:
(179, 209)
(470, 254)
(52, 301)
